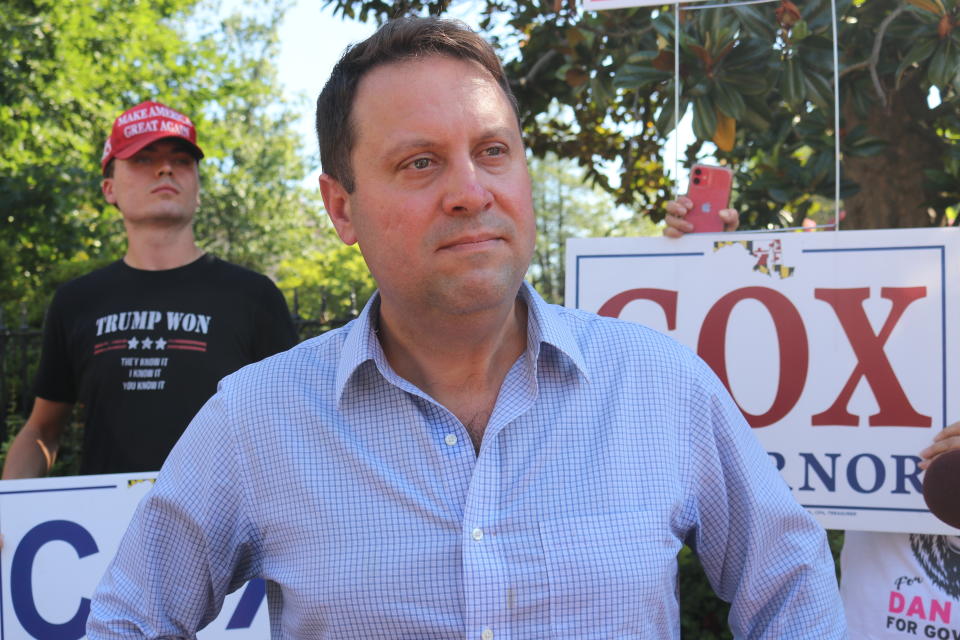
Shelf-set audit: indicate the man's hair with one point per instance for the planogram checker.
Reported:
(398, 40)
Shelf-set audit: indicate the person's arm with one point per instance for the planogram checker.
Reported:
(761, 550)
(677, 225)
(34, 450)
(189, 542)
(946, 440)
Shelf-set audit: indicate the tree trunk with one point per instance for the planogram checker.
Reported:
(891, 184)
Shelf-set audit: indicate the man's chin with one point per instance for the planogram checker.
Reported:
(161, 218)
(476, 295)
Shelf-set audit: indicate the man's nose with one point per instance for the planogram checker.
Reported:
(466, 193)
(164, 167)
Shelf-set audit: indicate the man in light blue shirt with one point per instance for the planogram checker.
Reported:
(463, 460)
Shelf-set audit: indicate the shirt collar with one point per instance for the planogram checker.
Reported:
(544, 326)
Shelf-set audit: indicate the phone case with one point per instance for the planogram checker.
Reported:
(710, 191)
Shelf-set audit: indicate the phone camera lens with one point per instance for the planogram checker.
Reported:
(697, 171)
(696, 181)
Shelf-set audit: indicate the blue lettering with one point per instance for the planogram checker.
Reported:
(829, 480)
(903, 476)
(250, 602)
(880, 473)
(21, 579)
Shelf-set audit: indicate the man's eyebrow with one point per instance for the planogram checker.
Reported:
(413, 144)
(408, 145)
(499, 132)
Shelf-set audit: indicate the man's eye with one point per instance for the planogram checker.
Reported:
(494, 151)
(421, 163)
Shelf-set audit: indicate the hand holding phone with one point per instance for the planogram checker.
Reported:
(709, 190)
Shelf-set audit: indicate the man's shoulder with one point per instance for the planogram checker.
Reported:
(591, 329)
(229, 271)
(90, 282)
(633, 350)
(304, 363)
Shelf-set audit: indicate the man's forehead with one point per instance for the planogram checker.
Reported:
(389, 86)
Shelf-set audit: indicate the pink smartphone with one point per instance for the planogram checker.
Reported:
(710, 191)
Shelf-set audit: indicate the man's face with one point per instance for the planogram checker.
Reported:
(442, 207)
(157, 185)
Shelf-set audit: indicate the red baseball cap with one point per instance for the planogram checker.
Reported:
(143, 124)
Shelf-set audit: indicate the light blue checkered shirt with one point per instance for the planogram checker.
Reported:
(362, 503)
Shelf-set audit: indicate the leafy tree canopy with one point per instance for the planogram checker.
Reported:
(71, 66)
(758, 80)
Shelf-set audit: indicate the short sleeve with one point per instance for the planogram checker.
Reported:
(274, 331)
(55, 379)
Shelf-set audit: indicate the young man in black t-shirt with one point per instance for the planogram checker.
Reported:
(141, 343)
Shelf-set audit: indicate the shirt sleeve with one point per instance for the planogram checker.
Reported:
(274, 330)
(760, 549)
(189, 544)
(55, 373)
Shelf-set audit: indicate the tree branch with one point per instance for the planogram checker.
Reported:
(536, 68)
(874, 58)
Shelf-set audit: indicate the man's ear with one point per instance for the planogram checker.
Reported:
(336, 201)
(106, 187)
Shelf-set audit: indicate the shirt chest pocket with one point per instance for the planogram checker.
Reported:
(611, 576)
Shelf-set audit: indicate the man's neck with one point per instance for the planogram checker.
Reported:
(158, 249)
(460, 361)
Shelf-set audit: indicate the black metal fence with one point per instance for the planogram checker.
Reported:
(18, 345)
(20, 354)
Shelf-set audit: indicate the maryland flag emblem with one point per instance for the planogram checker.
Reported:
(769, 256)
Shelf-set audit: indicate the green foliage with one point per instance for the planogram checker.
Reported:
(566, 208)
(330, 283)
(703, 616)
(71, 67)
(758, 80)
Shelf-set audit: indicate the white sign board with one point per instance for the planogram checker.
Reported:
(838, 347)
(59, 535)
(599, 5)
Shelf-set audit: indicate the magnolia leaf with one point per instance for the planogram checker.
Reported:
(819, 90)
(728, 100)
(726, 132)
(933, 6)
(704, 118)
(919, 52)
(791, 84)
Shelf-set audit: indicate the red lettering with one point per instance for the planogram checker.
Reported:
(940, 608)
(897, 602)
(916, 608)
(667, 300)
(791, 339)
(872, 362)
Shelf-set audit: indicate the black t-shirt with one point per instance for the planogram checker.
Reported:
(143, 350)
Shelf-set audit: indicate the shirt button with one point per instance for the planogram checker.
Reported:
(487, 634)
(477, 535)
(450, 439)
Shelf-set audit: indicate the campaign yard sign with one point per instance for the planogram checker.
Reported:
(839, 348)
(599, 5)
(59, 535)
